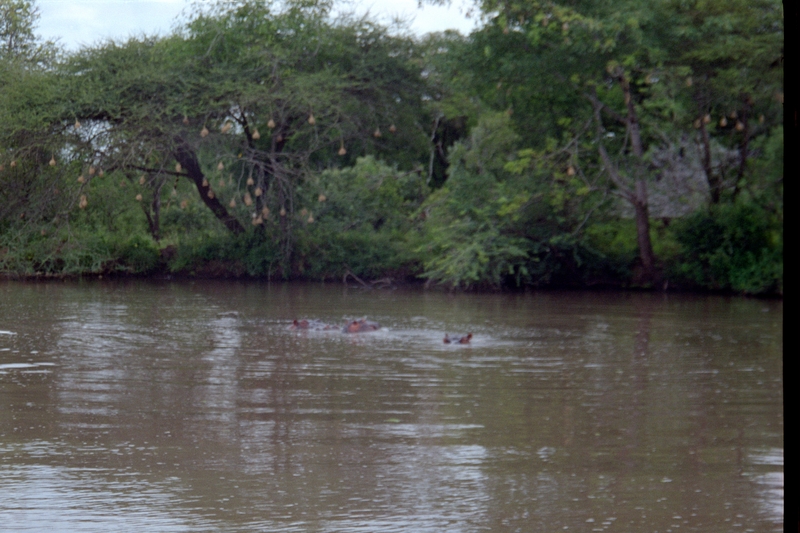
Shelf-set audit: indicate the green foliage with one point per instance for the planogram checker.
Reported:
(224, 255)
(33, 251)
(732, 247)
(362, 220)
(317, 142)
(138, 255)
(18, 43)
(505, 217)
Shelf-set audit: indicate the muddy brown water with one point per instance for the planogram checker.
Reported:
(143, 406)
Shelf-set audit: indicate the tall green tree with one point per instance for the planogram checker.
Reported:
(729, 55)
(628, 79)
(244, 102)
(26, 89)
(578, 69)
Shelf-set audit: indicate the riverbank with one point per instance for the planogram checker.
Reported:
(381, 284)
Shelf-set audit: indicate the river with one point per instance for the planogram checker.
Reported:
(192, 406)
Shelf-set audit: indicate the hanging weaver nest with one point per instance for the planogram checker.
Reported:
(83, 202)
(271, 124)
(248, 200)
(204, 132)
(256, 135)
(220, 166)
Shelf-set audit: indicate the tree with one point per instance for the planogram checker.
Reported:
(26, 88)
(244, 102)
(564, 66)
(506, 217)
(644, 74)
(17, 20)
(730, 59)
(18, 42)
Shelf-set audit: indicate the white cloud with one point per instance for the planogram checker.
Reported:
(84, 22)
(76, 23)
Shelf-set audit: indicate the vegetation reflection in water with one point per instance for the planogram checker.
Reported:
(194, 407)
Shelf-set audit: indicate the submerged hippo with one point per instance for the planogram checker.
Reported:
(360, 326)
(310, 324)
(463, 340)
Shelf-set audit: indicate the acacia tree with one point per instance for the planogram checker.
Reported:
(244, 102)
(18, 19)
(26, 144)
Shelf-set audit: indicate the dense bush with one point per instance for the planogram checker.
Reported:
(732, 247)
(358, 219)
(505, 217)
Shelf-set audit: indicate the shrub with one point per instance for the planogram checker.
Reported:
(732, 247)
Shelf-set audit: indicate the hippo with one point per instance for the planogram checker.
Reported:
(310, 324)
(463, 340)
(360, 326)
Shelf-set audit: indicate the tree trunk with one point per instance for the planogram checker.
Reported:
(638, 195)
(646, 254)
(188, 161)
(714, 181)
(744, 146)
(641, 202)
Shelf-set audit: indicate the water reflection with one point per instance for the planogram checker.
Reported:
(193, 407)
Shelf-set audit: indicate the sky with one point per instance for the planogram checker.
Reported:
(76, 23)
